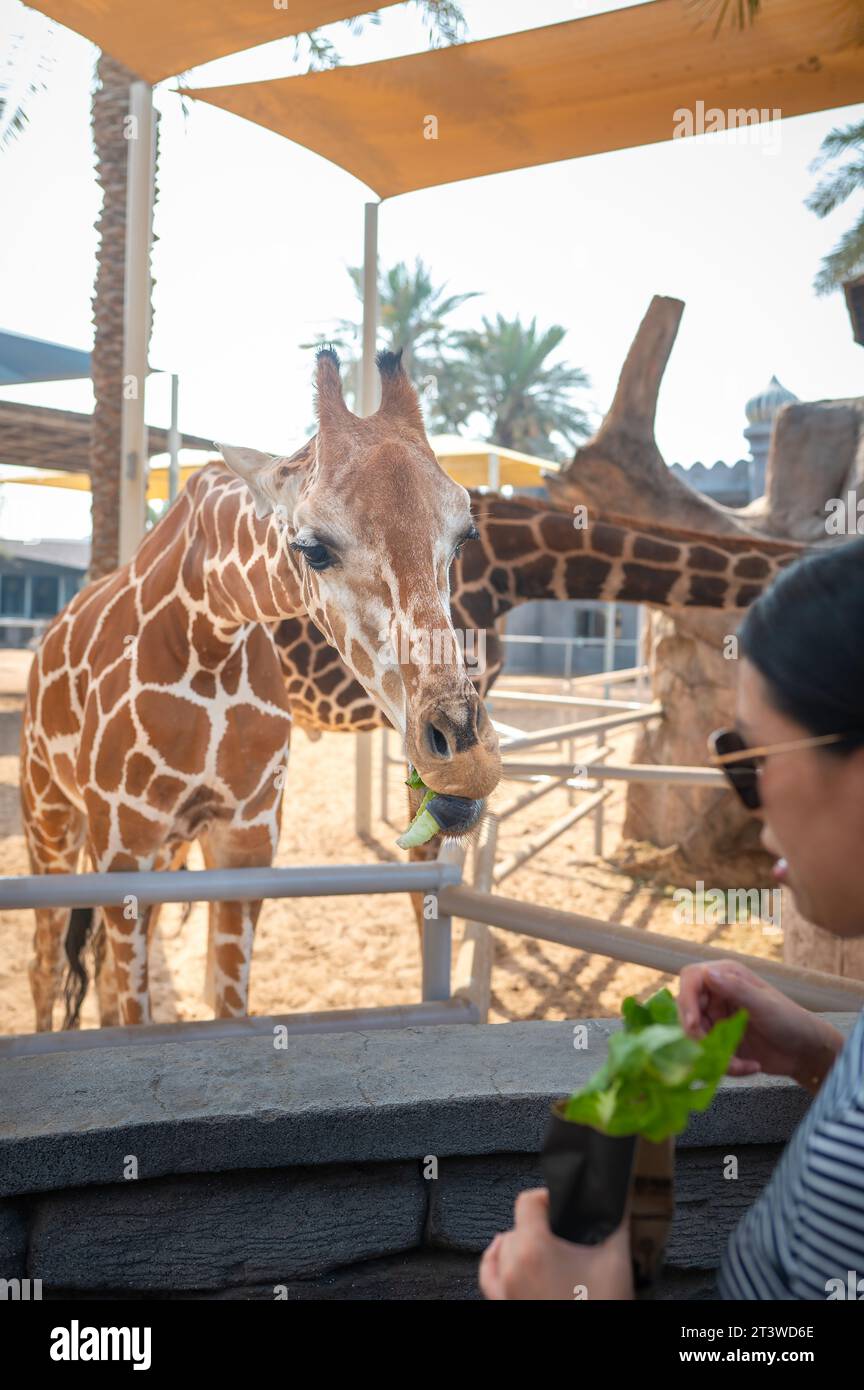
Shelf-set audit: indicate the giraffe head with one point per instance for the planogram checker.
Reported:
(369, 524)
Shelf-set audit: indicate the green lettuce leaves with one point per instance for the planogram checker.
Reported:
(654, 1075)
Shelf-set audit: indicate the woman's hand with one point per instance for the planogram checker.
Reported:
(781, 1038)
(529, 1263)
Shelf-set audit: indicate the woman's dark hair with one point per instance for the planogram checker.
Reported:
(805, 636)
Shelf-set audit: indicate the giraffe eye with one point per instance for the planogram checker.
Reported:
(317, 556)
(472, 534)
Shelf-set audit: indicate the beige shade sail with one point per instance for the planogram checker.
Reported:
(161, 38)
(601, 83)
(472, 463)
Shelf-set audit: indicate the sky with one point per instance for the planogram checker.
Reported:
(255, 235)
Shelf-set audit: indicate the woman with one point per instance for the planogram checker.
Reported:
(796, 758)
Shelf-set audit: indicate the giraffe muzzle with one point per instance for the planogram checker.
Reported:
(455, 815)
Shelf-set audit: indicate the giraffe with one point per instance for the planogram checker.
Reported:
(527, 549)
(156, 711)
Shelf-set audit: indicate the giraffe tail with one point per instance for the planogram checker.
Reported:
(75, 987)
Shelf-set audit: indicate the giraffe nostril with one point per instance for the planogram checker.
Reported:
(437, 741)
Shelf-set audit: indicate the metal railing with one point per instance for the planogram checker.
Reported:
(251, 885)
(441, 880)
(477, 905)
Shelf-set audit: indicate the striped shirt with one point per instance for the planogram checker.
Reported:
(807, 1227)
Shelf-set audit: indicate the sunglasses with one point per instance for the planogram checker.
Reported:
(741, 765)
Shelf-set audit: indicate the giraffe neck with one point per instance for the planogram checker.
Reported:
(212, 555)
(531, 550)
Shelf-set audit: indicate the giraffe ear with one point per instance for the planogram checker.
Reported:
(255, 469)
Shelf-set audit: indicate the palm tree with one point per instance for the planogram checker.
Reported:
(412, 312)
(847, 259)
(110, 106)
(526, 402)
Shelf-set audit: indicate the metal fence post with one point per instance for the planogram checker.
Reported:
(437, 948)
(385, 775)
(598, 814)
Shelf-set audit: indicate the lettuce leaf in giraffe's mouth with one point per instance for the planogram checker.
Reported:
(438, 814)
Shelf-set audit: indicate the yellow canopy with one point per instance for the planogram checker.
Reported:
(605, 82)
(476, 464)
(161, 38)
(472, 463)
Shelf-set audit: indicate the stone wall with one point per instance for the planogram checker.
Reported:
(340, 1166)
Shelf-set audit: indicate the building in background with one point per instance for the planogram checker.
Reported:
(37, 579)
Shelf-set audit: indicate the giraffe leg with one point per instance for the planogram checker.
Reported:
(127, 934)
(54, 830)
(121, 945)
(46, 966)
(232, 925)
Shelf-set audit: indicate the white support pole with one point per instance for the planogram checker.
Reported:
(174, 441)
(609, 641)
(368, 403)
(598, 814)
(493, 472)
(385, 775)
(641, 656)
(472, 973)
(140, 178)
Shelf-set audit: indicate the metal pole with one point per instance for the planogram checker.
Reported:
(385, 775)
(174, 441)
(609, 641)
(578, 730)
(493, 472)
(641, 644)
(571, 746)
(472, 976)
(223, 885)
(369, 388)
(598, 814)
(437, 946)
(674, 774)
(140, 178)
(813, 988)
(368, 403)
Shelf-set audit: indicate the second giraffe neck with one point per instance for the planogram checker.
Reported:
(533, 550)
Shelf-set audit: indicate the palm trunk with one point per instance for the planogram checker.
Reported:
(109, 110)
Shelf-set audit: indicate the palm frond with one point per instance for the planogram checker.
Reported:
(833, 191)
(741, 12)
(845, 262)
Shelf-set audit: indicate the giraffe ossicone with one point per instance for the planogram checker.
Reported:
(156, 711)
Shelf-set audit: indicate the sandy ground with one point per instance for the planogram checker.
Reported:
(350, 952)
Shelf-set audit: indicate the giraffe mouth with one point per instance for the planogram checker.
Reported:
(455, 815)
(440, 814)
